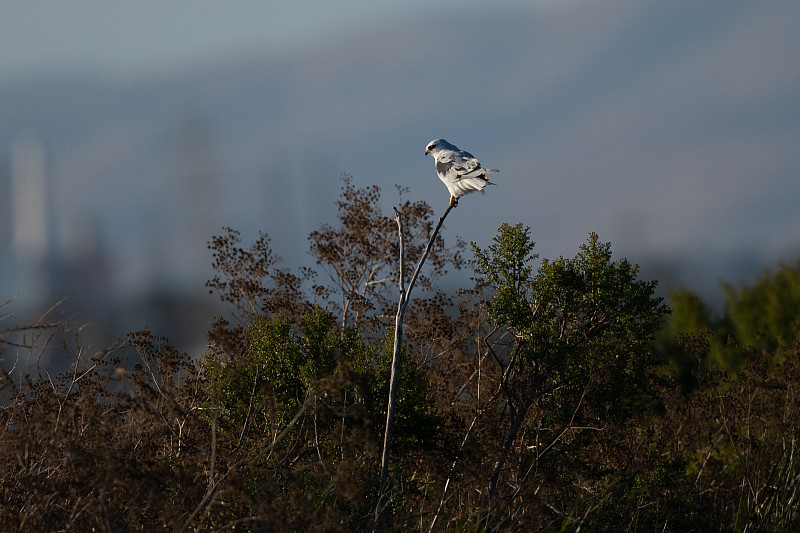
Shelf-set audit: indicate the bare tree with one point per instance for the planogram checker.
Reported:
(402, 305)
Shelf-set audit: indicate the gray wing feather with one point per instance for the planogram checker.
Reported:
(443, 167)
(459, 165)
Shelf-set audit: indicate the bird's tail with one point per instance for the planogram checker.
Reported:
(490, 170)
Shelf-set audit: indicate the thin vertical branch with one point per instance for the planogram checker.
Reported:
(405, 294)
(478, 410)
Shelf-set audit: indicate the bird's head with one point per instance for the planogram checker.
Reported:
(435, 146)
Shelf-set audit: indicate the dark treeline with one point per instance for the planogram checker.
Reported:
(549, 395)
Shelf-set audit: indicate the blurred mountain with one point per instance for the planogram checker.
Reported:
(670, 128)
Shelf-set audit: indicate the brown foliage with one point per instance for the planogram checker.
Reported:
(360, 255)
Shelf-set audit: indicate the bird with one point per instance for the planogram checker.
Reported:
(458, 170)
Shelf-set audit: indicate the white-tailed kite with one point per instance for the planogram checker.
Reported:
(458, 170)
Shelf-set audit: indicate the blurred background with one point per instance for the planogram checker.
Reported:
(130, 133)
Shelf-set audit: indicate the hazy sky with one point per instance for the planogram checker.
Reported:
(140, 37)
(668, 126)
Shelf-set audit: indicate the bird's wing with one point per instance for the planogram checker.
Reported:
(458, 165)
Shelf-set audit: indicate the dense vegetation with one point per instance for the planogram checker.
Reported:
(555, 395)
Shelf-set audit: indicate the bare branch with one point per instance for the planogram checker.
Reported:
(405, 294)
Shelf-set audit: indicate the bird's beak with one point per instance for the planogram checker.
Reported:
(427, 152)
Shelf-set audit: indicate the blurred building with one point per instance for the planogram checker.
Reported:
(28, 221)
